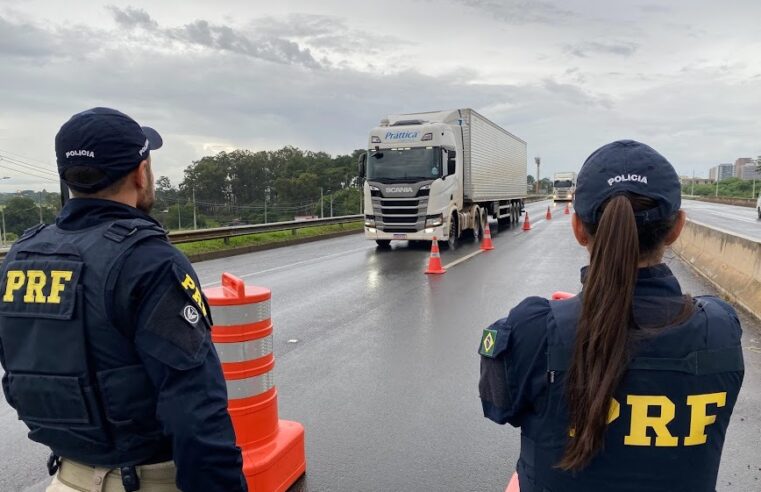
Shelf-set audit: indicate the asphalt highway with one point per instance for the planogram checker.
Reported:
(736, 220)
(379, 362)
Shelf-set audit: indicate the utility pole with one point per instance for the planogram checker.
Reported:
(195, 223)
(538, 161)
(322, 212)
(40, 207)
(717, 184)
(265, 209)
(692, 186)
(179, 215)
(331, 204)
(2, 211)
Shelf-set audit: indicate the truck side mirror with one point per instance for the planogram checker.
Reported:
(361, 167)
(451, 162)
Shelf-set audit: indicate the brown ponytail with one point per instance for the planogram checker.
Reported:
(601, 354)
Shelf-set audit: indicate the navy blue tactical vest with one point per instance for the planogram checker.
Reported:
(669, 417)
(73, 378)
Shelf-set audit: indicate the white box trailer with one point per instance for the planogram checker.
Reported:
(440, 174)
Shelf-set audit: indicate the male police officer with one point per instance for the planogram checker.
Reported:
(104, 334)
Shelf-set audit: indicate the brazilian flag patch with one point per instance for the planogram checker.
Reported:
(488, 342)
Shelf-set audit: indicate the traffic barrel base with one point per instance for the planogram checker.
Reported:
(273, 450)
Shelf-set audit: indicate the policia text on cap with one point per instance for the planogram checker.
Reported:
(106, 347)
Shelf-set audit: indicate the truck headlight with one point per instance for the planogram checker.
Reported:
(434, 220)
(369, 221)
(425, 187)
(374, 188)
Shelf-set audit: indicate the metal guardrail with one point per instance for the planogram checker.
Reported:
(245, 230)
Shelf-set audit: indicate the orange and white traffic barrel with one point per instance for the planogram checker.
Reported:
(273, 449)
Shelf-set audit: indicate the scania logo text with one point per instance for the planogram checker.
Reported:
(399, 189)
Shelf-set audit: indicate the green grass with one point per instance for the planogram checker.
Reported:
(264, 238)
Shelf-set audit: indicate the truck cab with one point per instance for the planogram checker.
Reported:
(412, 183)
(564, 186)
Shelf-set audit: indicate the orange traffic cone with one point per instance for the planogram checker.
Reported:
(434, 263)
(526, 223)
(549, 214)
(486, 244)
(567, 210)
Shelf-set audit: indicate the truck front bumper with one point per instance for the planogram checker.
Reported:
(440, 233)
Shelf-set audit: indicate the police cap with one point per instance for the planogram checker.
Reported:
(627, 166)
(106, 140)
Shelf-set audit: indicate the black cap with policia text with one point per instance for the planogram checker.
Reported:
(627, 166)
(104, 140)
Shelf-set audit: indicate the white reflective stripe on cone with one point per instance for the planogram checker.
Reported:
(242, 314)
(243, 351)
(248, 387)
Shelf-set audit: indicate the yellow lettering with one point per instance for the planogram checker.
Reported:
(641, 421)
(16, 279)
(188, 282)
(35, 281)
(58, 277)
(199, 300)
(699, 418)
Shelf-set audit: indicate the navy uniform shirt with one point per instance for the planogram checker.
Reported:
(153, 283)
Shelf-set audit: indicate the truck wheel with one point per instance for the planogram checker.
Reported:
(452, 241)
(477, 230)
(383, 243)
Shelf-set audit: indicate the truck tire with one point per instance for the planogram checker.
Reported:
(452, 241)
(383, 243)
(478, 228)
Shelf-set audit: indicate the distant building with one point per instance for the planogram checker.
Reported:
(687, 180)
(740, 163)
(721, 172)
(749, 172)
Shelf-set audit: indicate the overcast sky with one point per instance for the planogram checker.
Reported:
(566, 76)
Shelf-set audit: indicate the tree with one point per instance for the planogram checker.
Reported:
(21, 213)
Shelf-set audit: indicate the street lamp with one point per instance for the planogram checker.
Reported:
(538, 161)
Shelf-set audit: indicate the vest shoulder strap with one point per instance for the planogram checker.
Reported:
(699, 362)
(123, 229)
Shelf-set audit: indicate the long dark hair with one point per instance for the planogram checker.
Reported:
(601, 351)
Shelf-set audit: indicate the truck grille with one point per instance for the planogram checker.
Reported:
(401, 215)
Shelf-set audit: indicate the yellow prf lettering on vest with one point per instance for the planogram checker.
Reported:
(35, 282)
(57, 278)
(190, 285)
(641, 421)
(699, 418)
(15, 280)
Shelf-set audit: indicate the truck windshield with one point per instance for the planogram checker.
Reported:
(416, 163)
(564, 183)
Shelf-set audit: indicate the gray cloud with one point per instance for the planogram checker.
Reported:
(586, 49)
(131, 17)
(25, 40)
(520, 12)
(220, 38)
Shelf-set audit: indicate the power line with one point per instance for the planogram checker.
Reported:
(25, 172)
(27, 165)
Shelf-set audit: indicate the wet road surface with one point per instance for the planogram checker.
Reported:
(736, 220)
(383, 372)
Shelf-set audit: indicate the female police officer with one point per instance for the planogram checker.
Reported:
(630, 385)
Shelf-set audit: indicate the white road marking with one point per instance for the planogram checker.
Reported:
(464, 258)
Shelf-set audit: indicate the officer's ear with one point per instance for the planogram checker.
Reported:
(143, 175)
(673, 235)
(579, 231)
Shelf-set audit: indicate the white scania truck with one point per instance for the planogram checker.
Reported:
(440, 174)
(564, 186)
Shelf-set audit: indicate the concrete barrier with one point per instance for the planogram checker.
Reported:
(730, 261)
